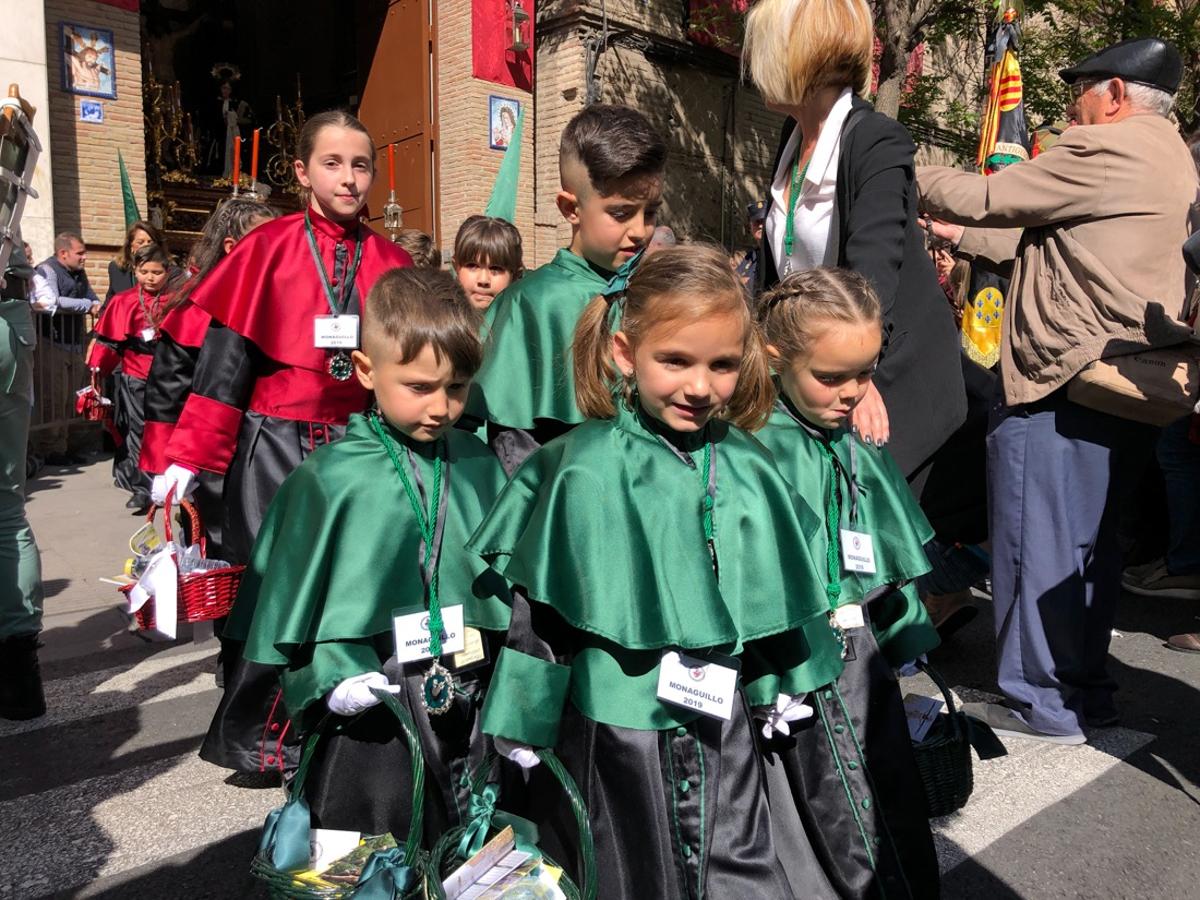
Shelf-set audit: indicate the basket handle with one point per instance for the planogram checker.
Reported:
(96, 383)
(952, 713)
(412, 845)
(193, 515)
(587, 846)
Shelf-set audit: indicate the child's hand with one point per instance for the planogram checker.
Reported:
(521, 754)
(354, 695)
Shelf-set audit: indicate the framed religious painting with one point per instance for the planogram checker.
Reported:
(88, 61)
(502, 121)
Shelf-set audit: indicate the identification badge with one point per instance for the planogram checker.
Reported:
(147, 334)
(412, 633)
(858, 552)
(474, 651)
(335, 332)
(697, 684)
(849, 616)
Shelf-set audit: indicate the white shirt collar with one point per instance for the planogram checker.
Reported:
(825, 154)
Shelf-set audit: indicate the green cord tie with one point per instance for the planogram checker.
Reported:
(347, 282)
(427, 522)
(833, 552)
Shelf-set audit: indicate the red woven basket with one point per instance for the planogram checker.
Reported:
(202, 595)
(89, 405)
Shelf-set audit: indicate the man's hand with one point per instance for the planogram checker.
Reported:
(942, 230)
(869, 419)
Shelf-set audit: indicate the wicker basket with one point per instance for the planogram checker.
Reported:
(283, 885)
(944, 756)
(91, 405)
(202, 595)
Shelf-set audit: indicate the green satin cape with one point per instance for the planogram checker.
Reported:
(605, 525)
(527, 373)
(886, 510)
(338, 550)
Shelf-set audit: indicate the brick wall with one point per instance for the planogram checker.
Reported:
(87, 182)
(721, 137)
(467, 166)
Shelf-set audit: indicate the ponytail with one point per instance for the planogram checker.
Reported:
(595, 373)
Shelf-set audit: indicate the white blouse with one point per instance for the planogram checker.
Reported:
(815, 213)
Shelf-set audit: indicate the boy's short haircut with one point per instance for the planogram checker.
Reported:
(420, 246)
(487, 239)
(612, 143)
(410, 308)
(149, 253)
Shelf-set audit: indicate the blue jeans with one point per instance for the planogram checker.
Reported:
(1179, 460)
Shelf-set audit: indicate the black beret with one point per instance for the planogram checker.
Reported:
(756, 210)
(1148, 61)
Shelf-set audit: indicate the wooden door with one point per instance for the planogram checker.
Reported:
(397, 107)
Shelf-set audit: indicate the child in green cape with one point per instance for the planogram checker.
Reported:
(823, 331)
(361, 557)
(611, 163)
(649, 548)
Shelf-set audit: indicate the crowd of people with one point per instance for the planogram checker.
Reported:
(680, 519)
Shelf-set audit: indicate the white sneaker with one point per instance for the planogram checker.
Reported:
(1007, 723)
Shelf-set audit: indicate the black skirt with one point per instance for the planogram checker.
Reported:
(130, 420)
(848, 778)
(250, 731)
(679, 813)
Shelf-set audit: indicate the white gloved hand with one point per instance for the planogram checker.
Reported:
(354, 695)
(521, 754)
(787, 709)
(179, 477)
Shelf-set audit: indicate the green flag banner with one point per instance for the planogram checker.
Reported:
(503, 202)
(131, 209)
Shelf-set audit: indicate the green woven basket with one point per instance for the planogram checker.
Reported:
(280, 879)
(445, 857)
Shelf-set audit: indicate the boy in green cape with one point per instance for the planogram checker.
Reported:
(361, 557)
(611, 163)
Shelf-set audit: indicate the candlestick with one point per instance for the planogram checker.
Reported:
(237, 163)
(254, 159)
(392, 168)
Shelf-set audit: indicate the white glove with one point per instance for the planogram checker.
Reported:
(354, 695)
(787, 709)
(179, 477)
(521, 754)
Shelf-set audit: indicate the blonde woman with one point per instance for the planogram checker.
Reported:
(843, 194)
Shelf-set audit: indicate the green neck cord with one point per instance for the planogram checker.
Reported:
(789, 234)
(833, 518)
(347, 282)
(709, 500)
(427, 522)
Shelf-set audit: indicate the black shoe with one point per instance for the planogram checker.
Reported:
(139, 503)
(21, 695)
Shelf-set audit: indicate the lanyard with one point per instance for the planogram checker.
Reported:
(708, 478)
(833, 521)
(789, 234)
(145, 311)
(347, 282)
(431, 523)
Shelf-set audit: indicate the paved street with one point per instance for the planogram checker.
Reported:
(105, 796)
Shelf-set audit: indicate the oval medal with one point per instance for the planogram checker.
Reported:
(340, 366)
(437, 691)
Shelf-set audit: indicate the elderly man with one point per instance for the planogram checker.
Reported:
(1092, 231)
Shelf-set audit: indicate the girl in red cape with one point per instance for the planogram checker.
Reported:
(274, 381)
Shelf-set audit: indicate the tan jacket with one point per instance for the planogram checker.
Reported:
(1097, 269)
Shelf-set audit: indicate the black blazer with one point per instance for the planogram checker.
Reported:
(919, 374)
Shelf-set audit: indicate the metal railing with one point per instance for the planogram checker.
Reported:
(59, 368)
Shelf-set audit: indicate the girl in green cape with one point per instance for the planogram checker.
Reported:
(853, 769)
(649, 550)
(359, 578)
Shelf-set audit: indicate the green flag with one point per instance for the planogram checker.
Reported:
(503, 202)
(131, 211)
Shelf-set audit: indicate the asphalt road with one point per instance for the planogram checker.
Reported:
(105, 796)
